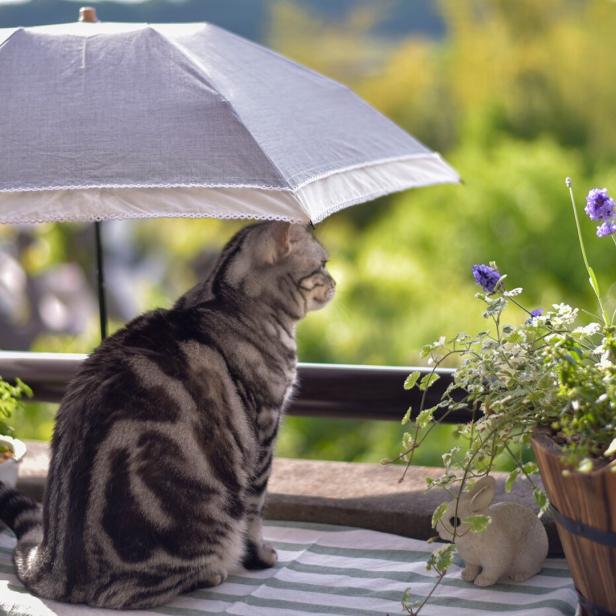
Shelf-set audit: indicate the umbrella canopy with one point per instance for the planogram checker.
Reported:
(120, 120)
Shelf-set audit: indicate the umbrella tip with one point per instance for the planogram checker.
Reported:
(87, 14)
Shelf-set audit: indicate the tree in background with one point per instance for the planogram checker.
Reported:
(517, 96)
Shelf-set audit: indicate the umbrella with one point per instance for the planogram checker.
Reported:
(104, 121)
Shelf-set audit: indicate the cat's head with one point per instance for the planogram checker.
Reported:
(279, 263)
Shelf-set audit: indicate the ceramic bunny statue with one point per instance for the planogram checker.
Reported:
(513, 546)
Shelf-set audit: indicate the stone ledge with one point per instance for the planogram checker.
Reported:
(351, 494)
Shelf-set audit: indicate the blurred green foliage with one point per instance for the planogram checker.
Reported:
(516, 96)
(10, 396)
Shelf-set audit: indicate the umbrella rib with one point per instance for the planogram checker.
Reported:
(374, 163)
(18, 189)
(10, 36)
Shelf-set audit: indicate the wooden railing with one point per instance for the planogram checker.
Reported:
(325, 390)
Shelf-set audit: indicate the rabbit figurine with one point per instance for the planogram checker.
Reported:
(512, 547)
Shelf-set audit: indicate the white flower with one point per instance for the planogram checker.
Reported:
(565, 311)
(604, 363)
(588, 330)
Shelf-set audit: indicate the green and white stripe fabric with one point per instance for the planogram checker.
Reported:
(325, 570)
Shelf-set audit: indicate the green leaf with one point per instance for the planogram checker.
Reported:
(428, 348)
(442, 482)
(593, 280)
(611, 450)
(25, 390)
(511, 477)
(438, 514)
(428, 380)
(406, 595)
(495, 307)
(411, 379)
(541, 500)
(441, 559)
(425, 417)
(408, 440)
(585, 466)
(448, 456)
(477, 523)
(407, 416)
(515, 337)
(530, 468)
(513, 292)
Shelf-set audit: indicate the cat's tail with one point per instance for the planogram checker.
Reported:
(20, 513)
(23, 516)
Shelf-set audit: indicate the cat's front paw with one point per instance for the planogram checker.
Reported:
(260, 556)
(214, 578)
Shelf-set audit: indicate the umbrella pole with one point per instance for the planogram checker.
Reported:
(102, 304)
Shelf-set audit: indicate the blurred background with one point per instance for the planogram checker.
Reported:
(516, 95)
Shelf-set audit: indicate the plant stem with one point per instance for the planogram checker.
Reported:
(577, 223)
(520, 465)
(513, 301)
(591, 276)
(421, 408)
(415, 612)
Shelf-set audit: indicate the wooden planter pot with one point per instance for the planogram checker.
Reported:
(585, 513)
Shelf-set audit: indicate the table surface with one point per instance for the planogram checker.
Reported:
(325, 570)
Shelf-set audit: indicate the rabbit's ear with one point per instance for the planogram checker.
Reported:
(482, 493)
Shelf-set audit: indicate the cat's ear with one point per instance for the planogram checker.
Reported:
(298, 232)
(281, 236)
(277, 244)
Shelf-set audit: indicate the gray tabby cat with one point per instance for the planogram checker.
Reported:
(163, 443)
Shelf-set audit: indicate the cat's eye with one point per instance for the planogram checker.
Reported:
(454, 522)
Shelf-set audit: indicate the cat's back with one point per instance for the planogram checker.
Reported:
(126, 371)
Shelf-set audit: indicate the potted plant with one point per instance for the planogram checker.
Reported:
(12, 450)
(549, 381)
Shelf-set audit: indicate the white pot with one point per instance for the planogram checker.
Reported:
(8, 468)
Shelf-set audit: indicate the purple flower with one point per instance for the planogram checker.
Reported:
(537, 312)
(599, 205)
(487, 277)
(607, 228)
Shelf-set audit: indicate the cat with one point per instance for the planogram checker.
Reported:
(163, 442)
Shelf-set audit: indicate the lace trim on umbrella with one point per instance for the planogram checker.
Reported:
(130, 216)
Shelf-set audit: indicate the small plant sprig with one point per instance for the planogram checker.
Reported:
(10, 399)
(547, 372)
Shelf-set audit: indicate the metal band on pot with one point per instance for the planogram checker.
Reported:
(576, 527)
(590, 608)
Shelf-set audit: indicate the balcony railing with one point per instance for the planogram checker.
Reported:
(362, 495)
(325, 390)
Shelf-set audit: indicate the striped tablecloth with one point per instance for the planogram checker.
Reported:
(325, 570)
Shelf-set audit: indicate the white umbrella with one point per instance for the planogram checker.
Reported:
(101, 121)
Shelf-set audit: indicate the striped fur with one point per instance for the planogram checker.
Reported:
(163, 443)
